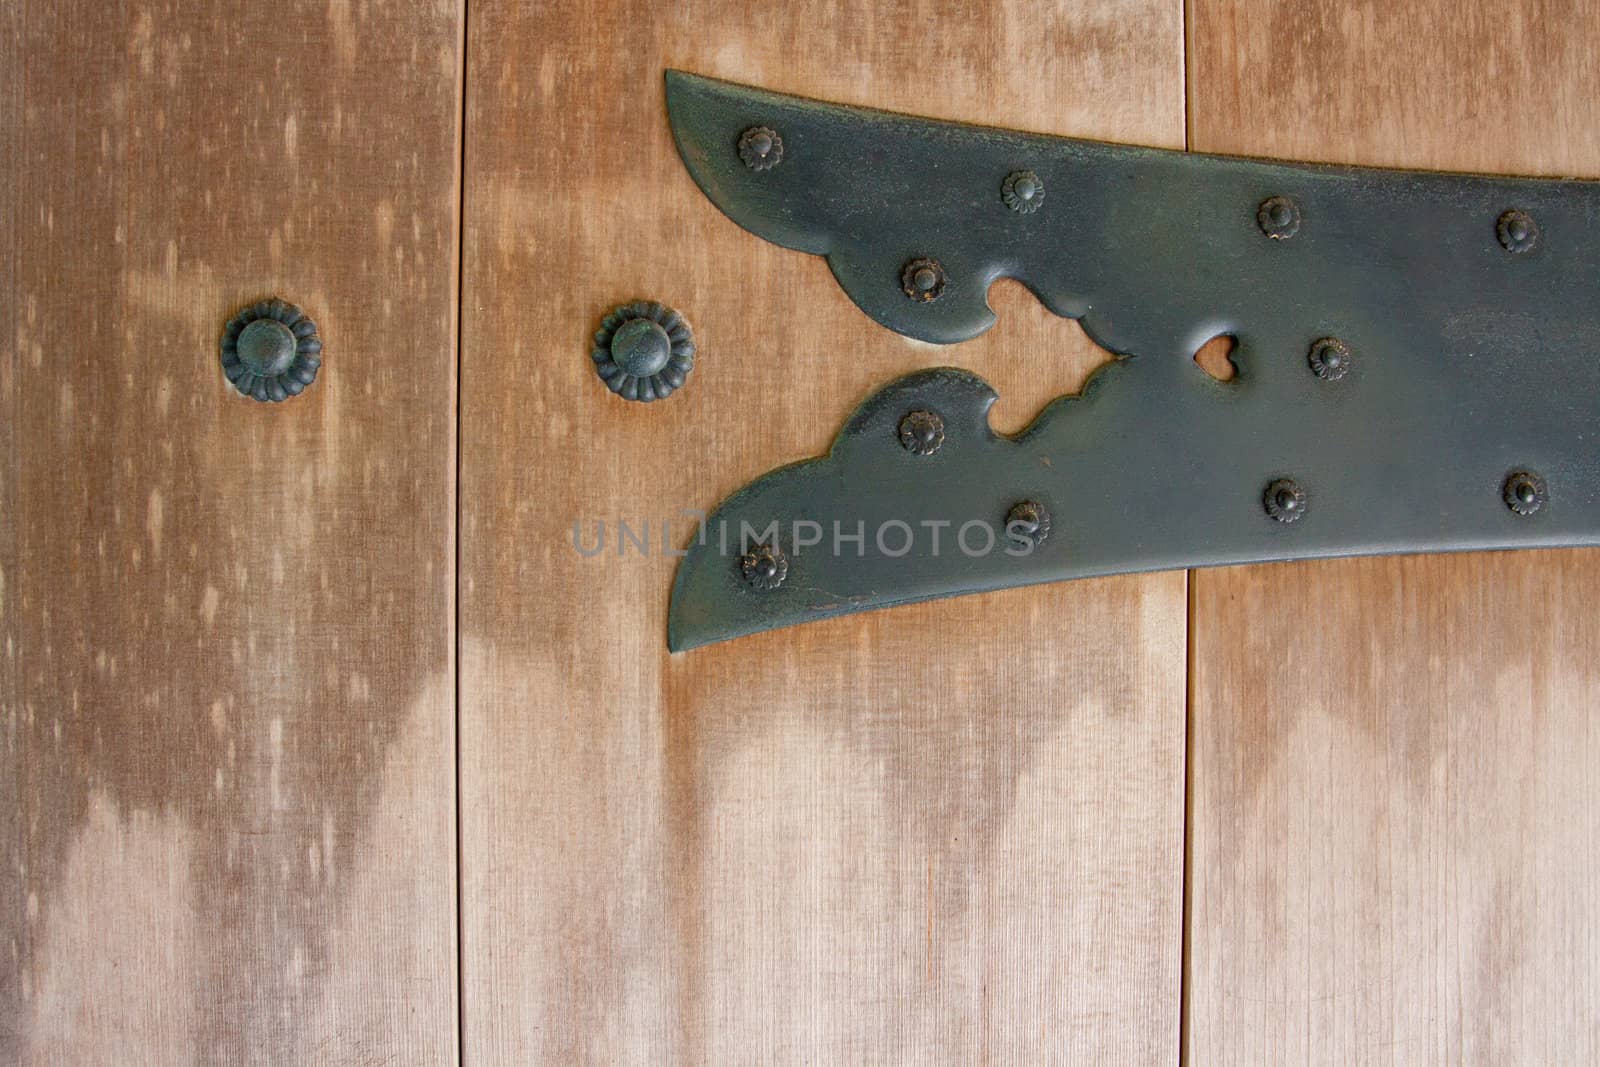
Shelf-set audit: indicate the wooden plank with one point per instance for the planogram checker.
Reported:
(948, 832)
(11, 821)
(228, 724)
(1392, 839)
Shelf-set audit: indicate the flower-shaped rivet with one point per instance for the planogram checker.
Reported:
(271, 350)
(1517, 231)
(1329, 359)
(1278, 217)
(764, 567)
(1284, 500)
(761, 148)
(1030, 521)
(923, 280)
(643, 351)
(1022, 191)
(922, 432)
(1524, 492)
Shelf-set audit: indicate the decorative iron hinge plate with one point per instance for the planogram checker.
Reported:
(1418, 360)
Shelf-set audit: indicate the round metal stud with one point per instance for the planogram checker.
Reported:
(764, 567)
(922, 432)
(923, 280)
(271, 351)
(1284, 500)
(1329, 359)
(1023, 192)
(1517, 231)
(1278, 217)
(643, 351)
(1524, 492)
(267, 347)
(1030, 519)
(761, 148)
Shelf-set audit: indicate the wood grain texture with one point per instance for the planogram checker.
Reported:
(228, 678)
(1393, 836)
(942, 833)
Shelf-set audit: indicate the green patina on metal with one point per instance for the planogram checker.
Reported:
(1416, 359)
(643, 351)
(271, 351)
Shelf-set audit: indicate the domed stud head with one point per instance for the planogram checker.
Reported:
(271, 351)
(1329, 359)
(1278, 217)
(922, 432)
(1022, 192)
(1524, 492)
(641, 347)
(764, 567)
(266, 346)
(1028, 520)
(923, 280)
(761, 148)
(1284, 500)
(1517, 231)
(643, 351)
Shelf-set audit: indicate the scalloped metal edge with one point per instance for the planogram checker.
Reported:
(1469, 361)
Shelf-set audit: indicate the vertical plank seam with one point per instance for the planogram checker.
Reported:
(1186, 40)
(458, 306)
(1185, 890)
(1186, 893)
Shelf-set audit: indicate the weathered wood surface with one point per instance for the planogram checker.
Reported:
(1393, 838)
(227, 774)
(950, 832)
(943, 833)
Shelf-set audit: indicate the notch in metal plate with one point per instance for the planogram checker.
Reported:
(1416, 357)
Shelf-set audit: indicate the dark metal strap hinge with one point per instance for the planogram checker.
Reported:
(1416, 360)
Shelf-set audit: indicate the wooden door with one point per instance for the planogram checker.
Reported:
(324, 744)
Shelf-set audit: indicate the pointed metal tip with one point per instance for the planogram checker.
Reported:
(676, 642)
